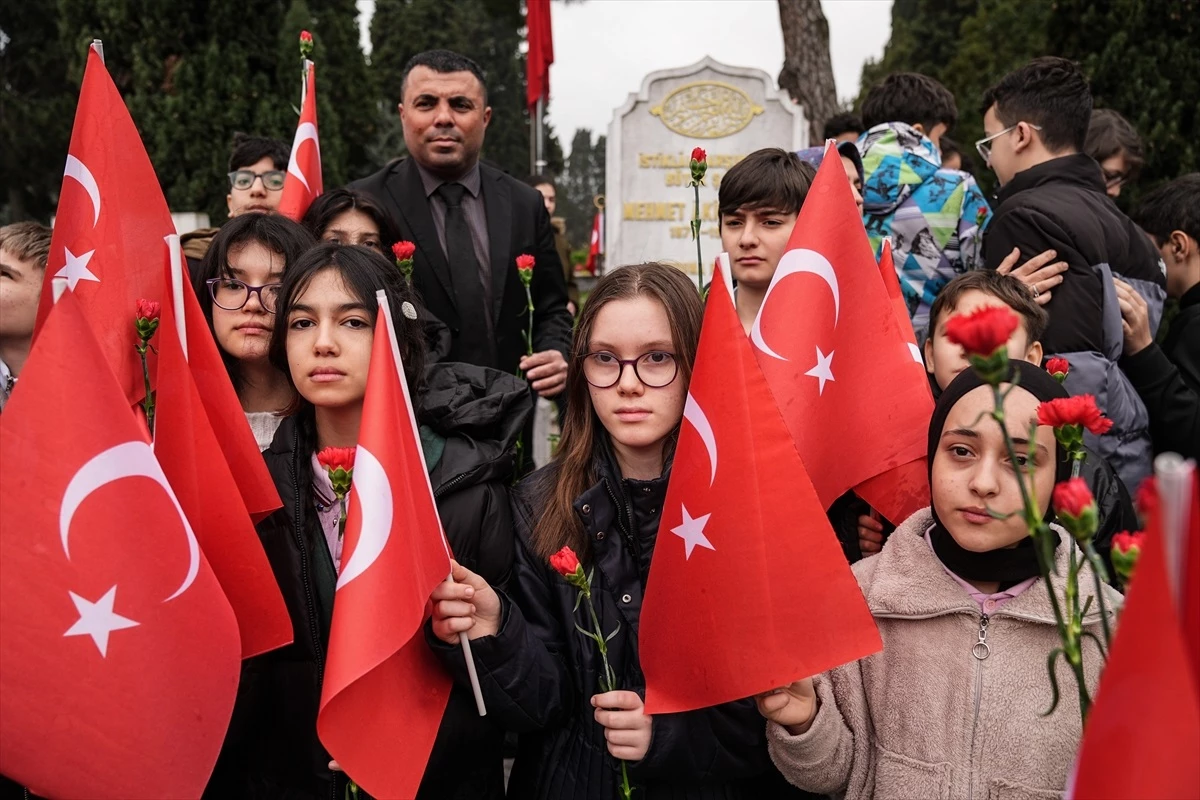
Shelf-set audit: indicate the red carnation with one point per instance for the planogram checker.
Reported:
(146, 319)
(335, 457)
(1126, 549)
(525, 262)
(1076, 508)
(565, 562)
(698, 154)
(403, 250)
(983, 331)
(1080, 410)
(1058, 367)
(148, 309)
(306, 44)
(306, 37)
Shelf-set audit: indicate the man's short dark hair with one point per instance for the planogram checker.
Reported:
(1004, 288)
(541, 180)
(1174, 206)
(1049, 92)
(1110, 134)
(846, 122)
(768, 178)
(911, 98)
(443, 61)
(249, 150)
(950, 147)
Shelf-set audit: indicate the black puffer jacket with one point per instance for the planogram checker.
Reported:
(538, 673)
(471, 416)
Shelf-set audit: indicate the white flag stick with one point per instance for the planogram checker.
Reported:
(98, 46)
(172, 241)
(385, 309)
(1174, 477)
(57, 287)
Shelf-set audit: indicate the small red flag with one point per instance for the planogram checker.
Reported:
(119, 657)
(594, 247)
(849, 366)
(541, 52)
(743, 543)
(109, 229)
(304, 183)
(384, 692)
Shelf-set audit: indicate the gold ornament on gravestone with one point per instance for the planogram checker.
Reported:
(706, 110)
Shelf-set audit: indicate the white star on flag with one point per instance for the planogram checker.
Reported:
(98, 620)
(692, 533)
(823, 371)
(76, 269)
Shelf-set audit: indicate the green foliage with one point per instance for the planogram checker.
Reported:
(579, 185)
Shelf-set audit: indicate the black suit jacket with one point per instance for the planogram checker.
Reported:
(517, 223)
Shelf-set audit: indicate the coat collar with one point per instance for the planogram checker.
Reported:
(1078, 169)
(408, 193)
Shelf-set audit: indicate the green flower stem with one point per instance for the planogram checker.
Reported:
(148, 403)
(609, 682)
(1099, 573)
(696, 236)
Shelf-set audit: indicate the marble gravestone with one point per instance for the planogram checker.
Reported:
(730, 112)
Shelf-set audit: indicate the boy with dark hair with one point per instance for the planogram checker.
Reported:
(954, 158)
(545, 185)
(1167, 378)
(844, 127)
(758, 201)
(932, 215)
(24, 249)
(1052, 196)
(1116, 147)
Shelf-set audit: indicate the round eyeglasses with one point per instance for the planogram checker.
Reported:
(655, 369)
(232, 294)
(243, 179)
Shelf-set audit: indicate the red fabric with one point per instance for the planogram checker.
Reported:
(827, 313)
(1191, 583)
(191, 457)
(111, 218)
(384, 692)
(762, 595)
(594, 247)
(303, 183)
(541, 52)
(140, 708)
(1143, 732)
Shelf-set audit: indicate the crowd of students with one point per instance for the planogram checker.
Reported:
(292, 309)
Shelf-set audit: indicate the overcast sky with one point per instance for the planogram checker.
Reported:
(603, 48)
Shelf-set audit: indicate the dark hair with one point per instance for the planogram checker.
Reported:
(249, 150)
(541, 180)
(558, 525)
(443, 61)
(1049, 92)
(768, 178)
(1005, 288)
(1174, 206)
(950, 147)
(1110, 134)
(911, 98)
(846, 122)
(331, 205)
(278, 234)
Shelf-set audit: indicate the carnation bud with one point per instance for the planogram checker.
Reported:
(1076, 509)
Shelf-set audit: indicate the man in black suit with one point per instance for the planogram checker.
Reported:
(469, 222)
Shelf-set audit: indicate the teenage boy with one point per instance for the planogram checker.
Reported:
(758, 202)
(1053, 197)
(1167, 378)
(932, 215)
(845, 127)
(24, 248)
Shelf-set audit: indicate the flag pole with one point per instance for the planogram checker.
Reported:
(463, 640)
(98, 46)
(172, 241)
(539, 164)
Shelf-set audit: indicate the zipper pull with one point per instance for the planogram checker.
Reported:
(981, 650)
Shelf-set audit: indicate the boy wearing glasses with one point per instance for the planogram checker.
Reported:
(1053, 196)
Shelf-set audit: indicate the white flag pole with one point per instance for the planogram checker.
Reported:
(57, 287)
(463, 640)
(173, 248)
(98, 46)
(1174, 477)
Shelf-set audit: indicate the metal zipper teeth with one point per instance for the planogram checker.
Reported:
(978, 701)
(621, 511)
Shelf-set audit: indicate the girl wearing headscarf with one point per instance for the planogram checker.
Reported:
(953, 705)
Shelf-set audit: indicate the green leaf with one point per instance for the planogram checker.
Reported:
(614, 633)
(1055, 653)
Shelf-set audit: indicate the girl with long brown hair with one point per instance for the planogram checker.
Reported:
(632, 358)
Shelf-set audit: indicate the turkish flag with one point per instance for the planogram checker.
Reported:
(119, 654)
(303, 183)
(844, 368)
(541, 52)
(192, 460)
(594, 247)
(384, 692)
(748, 588)
(109, 229)
(1143, 732)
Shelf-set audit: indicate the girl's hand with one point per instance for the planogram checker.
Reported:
(467, 605)
(792, 706)
(870, 535)
(625, 722)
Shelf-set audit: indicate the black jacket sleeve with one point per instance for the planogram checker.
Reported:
(1173, 406)
(722, 743)
(1076, 306)
(552, 322)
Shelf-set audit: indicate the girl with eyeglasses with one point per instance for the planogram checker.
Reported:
(634, 349)
(237, 285)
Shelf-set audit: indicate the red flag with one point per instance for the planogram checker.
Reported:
(742, 547)
(887, 269)
(119, 657)
(837, 367)
(594, 248)
(191, 457)
(109, 229)
(384, 692)
(1143, 732)
(541, 52)
(303, 183)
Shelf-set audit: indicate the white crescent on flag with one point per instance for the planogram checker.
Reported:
(694, 414)
(306, 130)
(78, 170)
(793, 263)
(374, 493)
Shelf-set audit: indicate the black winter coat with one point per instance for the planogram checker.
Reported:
(538, 673)
(470, 417)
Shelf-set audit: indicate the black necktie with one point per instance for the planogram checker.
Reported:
(474, 344)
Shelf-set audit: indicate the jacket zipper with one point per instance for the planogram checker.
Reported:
(621, 512)
(455, 481)
(980, 651)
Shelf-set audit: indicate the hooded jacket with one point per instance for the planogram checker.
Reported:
(934, 216)
(925, 717)
(471, 418)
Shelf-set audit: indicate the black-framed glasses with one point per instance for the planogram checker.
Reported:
(243, 179)
(1114, 179)
(655, 369)
(232, 294)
